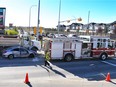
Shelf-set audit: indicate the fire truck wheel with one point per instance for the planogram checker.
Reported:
(68, 57)
(103, 56)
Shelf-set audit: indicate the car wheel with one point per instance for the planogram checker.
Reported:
(68, 57)
(31, 56)
(11, 56)
(103, 56)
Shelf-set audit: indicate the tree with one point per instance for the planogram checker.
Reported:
(99, 30)
(93, 27)
(114, 30)
(106, 29)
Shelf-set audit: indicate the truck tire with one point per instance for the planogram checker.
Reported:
(103, 56)
(68, 57)
(11, 56)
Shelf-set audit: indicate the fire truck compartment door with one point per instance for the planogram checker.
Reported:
(57, 50)
(78, 50)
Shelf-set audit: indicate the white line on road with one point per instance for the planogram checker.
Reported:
(114, 58)
(109, 63)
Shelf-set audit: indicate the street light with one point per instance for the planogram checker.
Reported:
(30, 16)
(88, 19)
(59, 16)
(30, 22)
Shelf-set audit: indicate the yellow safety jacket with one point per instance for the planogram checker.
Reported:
(47, 56)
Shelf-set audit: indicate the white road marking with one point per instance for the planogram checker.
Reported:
(35, 59)
(109, 63)
(114, 58)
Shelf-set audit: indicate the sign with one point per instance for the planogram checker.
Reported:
(35, 30)
(2, 17)
(40, 30)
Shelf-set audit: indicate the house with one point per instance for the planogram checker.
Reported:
(61, 27)
(75, 26)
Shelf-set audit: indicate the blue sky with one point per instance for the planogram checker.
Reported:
(17, 11)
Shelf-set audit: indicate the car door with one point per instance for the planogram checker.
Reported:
(24, 52)
(16, 52)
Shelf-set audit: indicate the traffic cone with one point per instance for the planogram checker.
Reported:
(26, 79)
(108, 77)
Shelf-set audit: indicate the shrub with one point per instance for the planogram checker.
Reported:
(11, 32)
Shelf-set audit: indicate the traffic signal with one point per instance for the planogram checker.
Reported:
(34, 30)
(40, 30)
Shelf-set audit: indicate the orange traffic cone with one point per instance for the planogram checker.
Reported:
(26, 79)
(108, 77)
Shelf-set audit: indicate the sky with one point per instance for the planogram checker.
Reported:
(17, 12)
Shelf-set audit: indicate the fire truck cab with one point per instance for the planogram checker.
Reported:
(97, 46)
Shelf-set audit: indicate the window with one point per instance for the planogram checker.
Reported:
(104, 40)
(99, 39)
(103, 44)
(98, 45)
(16, 49)
(23, 51)
(67, 45)
(1, 13)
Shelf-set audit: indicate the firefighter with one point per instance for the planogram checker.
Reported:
(47, 59)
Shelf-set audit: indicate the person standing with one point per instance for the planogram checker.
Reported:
(47, 59)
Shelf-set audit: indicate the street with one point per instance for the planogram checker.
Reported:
(78, 73)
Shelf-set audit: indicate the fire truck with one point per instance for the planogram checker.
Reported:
(97, 46)
(80, 48)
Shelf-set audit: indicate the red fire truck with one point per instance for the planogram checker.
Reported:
(78, 48)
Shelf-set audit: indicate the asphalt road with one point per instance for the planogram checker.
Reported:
(78, 73)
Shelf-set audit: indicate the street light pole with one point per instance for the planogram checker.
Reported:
(30, 17)
(59, 17)
(38, 22)
(88, 18)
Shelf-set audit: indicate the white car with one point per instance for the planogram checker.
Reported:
(60, 35)
(18, 51)
(72, 36)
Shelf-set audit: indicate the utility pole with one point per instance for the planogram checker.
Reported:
(59, 16)
(88, 19)
(30, 16)
(30, 23)
(38, 21)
